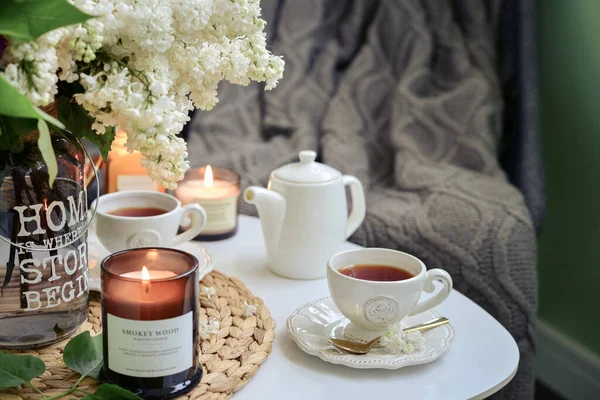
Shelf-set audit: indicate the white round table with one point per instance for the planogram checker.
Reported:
(483, 357)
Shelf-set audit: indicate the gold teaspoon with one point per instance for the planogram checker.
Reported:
(353, 347)
(363, 348)
(425, 326)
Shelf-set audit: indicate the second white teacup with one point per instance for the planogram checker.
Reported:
(120, 232)
(373, 305)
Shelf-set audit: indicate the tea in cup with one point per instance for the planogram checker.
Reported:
(375, 288)
(132, 219)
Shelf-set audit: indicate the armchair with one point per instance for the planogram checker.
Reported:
(416, 99)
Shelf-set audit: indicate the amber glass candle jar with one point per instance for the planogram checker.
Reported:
(150, 321)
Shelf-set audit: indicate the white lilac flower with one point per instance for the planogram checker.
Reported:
(207, 291)
(207, 327)
(396, 341)
(248, 310)
(144, 64)
(31, 67)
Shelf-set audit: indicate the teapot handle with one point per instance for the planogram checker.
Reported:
(357, 215)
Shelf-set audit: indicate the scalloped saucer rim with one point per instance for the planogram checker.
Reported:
(310, 323)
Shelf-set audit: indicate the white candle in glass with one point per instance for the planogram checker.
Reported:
(147, 275)
(207, 188)
(218, 196)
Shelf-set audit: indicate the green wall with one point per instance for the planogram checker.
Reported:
(569, 247)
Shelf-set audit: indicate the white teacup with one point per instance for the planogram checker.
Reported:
(118, 233)
(372, 306)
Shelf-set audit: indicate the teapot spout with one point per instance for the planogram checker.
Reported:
(271, 210)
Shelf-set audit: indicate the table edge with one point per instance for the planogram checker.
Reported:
(499, 386)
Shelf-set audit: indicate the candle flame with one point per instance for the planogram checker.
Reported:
(208, 177)
(145, 274)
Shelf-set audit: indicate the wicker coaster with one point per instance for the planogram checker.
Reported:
(230, 357)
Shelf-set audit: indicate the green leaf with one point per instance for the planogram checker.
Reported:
(13, 103)
(103, 141)
(83, 354)
(32, 18)
(111, 392)
(45, 146)
(79, 123)
(17, 370)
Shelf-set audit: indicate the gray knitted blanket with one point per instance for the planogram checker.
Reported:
(404, 95)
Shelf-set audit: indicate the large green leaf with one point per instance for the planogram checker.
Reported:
(83, 354)
(79, 123)
(111, 392)
(17, 370)
(29, 19)
(45, 146)
(15, 104)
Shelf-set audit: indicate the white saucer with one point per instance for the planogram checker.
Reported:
(97, 253)
(309, 325)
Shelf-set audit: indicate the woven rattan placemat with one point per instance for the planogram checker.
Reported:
(230, 357)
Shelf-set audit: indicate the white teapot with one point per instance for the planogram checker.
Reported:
(304, 215)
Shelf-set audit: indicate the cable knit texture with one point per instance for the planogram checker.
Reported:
(403, 94)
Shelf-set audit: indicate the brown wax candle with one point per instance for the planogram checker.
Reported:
(150, 321)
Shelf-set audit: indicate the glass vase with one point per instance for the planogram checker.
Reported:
(43, 248)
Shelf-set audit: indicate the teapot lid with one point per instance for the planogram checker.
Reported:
(307, 170)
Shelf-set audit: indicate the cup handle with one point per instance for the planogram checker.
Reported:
(434, 275)
(197, 215)
(357, 215)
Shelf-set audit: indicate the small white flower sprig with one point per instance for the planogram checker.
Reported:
(396, 341)
(208, 327)
(248, 310)
(207, 291)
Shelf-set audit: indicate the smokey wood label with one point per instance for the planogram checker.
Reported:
(149, 349)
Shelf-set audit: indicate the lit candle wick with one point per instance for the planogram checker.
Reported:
(145, 274)
(145, 278)
(208, 177)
